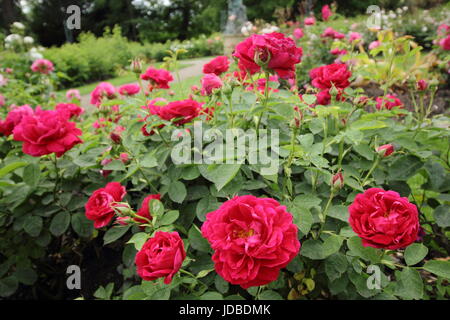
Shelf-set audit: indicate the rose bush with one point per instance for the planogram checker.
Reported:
(352, 185)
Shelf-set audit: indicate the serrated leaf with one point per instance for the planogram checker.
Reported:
(415, 253)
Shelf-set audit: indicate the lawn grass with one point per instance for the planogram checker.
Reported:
(124, 78)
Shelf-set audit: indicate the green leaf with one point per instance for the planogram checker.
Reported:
(318, 250)
(438, 267)
(404, 167)
(415, 253)
(31, 174)
(197, 241)
(219, 174)
(442, 216)
(60, 223)
(367, 253)
(339, 212)
(114, 233)
(221, 285)
(302, 218)
(177, 191)
(368, 124)
(8, 286)
(410, 285)
(307, 201)
(82, 225)
(138, 239)
(11, 167)
(26, 276)
(169, 218)
(149, 161)
(33, 225)
(115, 165)
(270, 295)
(211, 296)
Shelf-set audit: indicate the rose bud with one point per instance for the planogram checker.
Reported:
(422, 85)
(337, 181)
(385, 150)
(116, 134)
(136, 66)
(124, 157)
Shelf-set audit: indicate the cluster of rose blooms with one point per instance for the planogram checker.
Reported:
(252, 238)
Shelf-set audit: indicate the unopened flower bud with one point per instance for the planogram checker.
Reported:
(385, 150)
(337, 181)
(136, 66)
(422, 85)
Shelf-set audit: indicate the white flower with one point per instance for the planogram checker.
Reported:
(28, 40)
(12, 38)
(424, 29)
(34, 54)
(399, 10)
(405, 8)
(18, 25)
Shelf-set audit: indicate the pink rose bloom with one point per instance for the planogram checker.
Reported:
(129, 89)
(73, 110)
(298, 33)
(159, 78)
(326, 13)
(46, 132)
(338, 52)
(354, 36)
(252, 238)
(274, 49)
(389, 102)
(8, 70)
(445, 43)
(422, 85)
(160, 257)
(384, 219)
(310, 21)
(102, 90)
(184, 111)
(43, 66)
(217, 65)
(210, 82)
(73, 94)
(374, 44)
(13, 118)
(331, 33)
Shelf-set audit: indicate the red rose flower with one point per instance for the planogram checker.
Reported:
(445, 43)
(159, 78)
(310, 21)
(45, 132)
(161, 256)
(217, 65)
(422, 85)
(73, 110)
(253, 238)
(184, 111)
(13, 119)
(325, 77)
(43, 66)
(100, 206)
(389, 102)
(102, 90)
(210, 82)
(274, 49)
(129, 89)
(383, 219)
